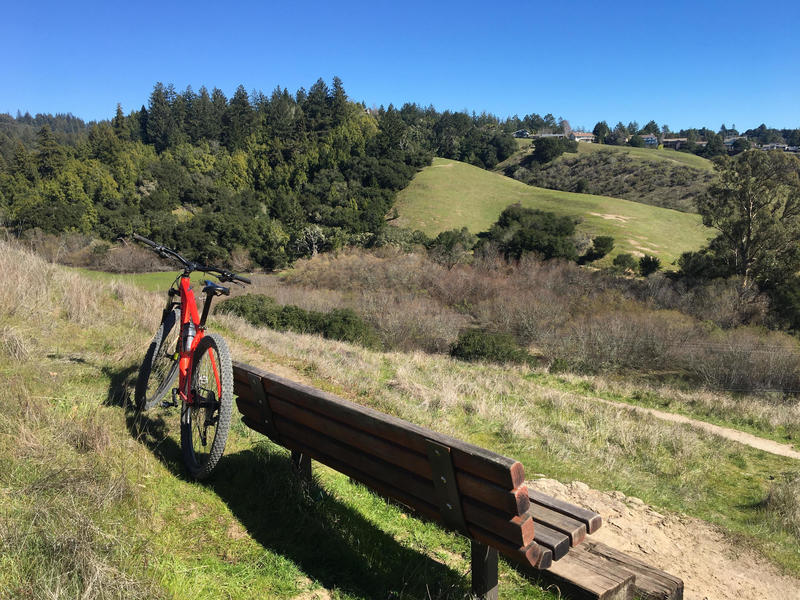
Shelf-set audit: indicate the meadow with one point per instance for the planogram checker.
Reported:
(450, 194)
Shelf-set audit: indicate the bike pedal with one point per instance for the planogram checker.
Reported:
(173, 402)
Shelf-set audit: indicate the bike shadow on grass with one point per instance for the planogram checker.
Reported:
(329, 541)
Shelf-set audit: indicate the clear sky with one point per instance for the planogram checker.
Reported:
(684, 63)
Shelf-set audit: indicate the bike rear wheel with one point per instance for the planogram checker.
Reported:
(160, 365)
(205, 422)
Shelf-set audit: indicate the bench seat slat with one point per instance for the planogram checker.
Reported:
(574, 529)
(592, 520)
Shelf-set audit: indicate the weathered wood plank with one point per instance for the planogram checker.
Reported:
(528, 556)
(582, 580)
(469, 485)
(550, 538)
(483, 463)
(575, 530)
(650, 583)
(515, 529)
(592, 520)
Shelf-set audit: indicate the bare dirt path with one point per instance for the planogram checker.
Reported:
(712, 566)
(748, 439)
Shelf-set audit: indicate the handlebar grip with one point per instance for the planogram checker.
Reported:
(144, 240)
(242, 279)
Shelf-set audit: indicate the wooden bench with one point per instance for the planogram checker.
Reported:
(461, 486)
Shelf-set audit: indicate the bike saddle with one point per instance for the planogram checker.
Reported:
(214, 288)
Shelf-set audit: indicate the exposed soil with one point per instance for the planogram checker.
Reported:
(611, 217)
(712, 566)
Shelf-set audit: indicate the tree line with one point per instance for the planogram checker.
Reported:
(279, 176)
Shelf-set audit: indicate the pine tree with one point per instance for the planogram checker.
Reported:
(51, 156)
(158, 118)
(238, 120)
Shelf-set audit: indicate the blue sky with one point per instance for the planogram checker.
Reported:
(697, 63)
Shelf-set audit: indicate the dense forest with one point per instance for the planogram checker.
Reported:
(277, 177)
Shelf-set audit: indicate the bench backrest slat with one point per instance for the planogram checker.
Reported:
(390, 455)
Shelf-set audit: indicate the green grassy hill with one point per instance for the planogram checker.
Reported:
(654, 154)
(665, 178)
(450, 194)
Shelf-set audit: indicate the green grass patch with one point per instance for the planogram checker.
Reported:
(450, 195)
(656, 154)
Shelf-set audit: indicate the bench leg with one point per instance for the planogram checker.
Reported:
(484, 571)
(302, 464)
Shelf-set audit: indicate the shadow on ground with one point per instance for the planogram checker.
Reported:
(330, 542)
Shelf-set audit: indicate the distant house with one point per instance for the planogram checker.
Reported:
(582, 136)
(522, 133)
(774, 147)
(729, 141)
(650, 140)
(674, 143)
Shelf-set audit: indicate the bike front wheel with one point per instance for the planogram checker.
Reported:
(205, 422)
(160, 365)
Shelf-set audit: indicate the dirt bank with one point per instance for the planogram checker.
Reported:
(711, 565)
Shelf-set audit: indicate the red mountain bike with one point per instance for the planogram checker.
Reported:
(201, 361)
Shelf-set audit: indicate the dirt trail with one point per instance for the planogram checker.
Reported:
(712, 566)
(731, 434)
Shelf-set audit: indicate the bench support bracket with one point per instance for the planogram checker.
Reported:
(260, 397)
(445, 486)
(484, 571)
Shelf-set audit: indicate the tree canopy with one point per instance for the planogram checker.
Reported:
(278, 176)
(755, 207)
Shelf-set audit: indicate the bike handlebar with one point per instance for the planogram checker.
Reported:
(188, 265)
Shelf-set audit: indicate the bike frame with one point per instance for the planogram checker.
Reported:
(189, 314)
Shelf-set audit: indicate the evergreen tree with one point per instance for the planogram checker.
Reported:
(238, 120)
(159, 118)
(220, 106)
(600, 132)
(23, 164)
(120, 124)
(51, 156)
(200, 117)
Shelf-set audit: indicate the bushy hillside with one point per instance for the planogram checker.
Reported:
(449, 194)
(664, 178)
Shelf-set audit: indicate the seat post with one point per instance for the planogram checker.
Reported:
(206, 307)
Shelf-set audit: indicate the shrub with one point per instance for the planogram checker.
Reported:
(582, 186)
(476, 344)
(601, 245)
(625, 262)
(520, 230)
(649, 265)
(339, 324)
(452, 247)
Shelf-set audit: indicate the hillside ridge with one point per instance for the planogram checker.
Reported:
(450, 194)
